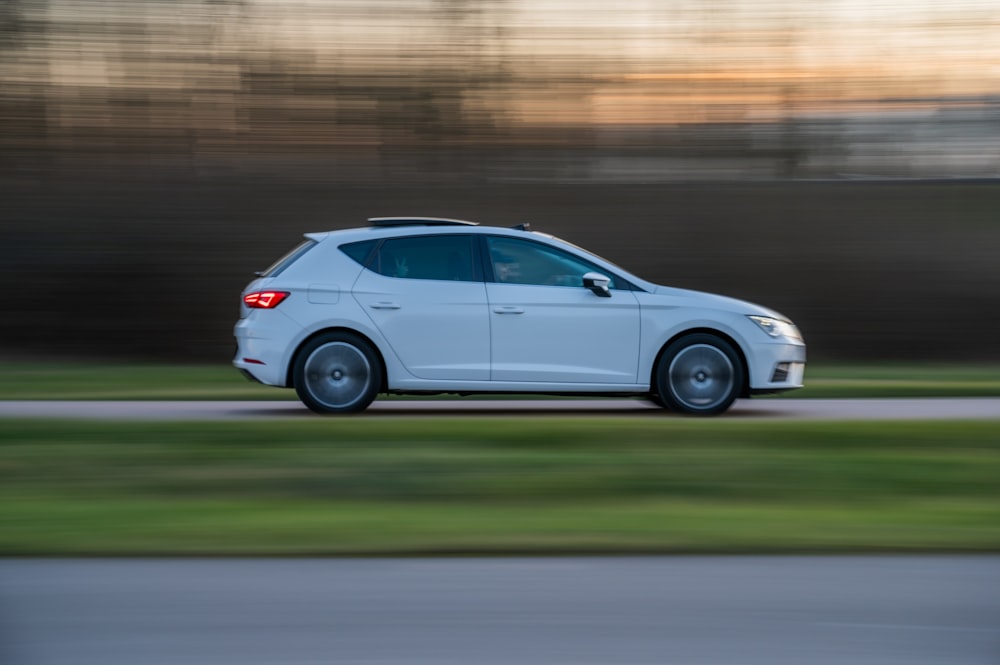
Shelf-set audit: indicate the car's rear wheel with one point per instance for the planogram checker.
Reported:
(337, 372)
(699, 374)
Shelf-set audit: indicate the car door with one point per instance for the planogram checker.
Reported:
(427, 297)
(547, 327)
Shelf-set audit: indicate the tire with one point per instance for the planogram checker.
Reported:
(699, 374)
(337, 372)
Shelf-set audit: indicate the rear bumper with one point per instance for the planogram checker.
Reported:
(262, 343)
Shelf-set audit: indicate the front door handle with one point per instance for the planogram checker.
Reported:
(384, 304)
(508, 309)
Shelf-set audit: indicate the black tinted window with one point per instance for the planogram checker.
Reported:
(445, 257)
(359, 251)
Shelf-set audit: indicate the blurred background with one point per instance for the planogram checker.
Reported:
(836, 160)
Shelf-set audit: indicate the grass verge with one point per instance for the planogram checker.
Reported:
(353, 486)
(73, 381)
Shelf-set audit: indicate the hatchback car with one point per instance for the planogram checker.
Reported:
(428, 305)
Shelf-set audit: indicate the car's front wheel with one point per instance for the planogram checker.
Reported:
(337, 372)
(699, 374)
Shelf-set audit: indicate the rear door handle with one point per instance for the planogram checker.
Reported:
(508, 309)
(384, 304)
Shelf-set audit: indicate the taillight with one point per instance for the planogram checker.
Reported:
(264, 299)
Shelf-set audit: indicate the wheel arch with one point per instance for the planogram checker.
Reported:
(289, 371)
(740, 353)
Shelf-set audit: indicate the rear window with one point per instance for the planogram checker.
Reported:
(288, 259)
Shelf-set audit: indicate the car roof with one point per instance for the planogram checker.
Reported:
(388, 227)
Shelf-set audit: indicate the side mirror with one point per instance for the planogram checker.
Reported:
(597, 283)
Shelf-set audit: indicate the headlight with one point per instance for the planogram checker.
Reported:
(776, 327)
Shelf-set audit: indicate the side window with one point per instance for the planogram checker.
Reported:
(524, 262)
(444, 257)
(359, 251)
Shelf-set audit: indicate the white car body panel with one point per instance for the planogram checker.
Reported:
(439, 330)
(557, 334)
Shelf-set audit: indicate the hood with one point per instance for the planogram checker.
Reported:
(717, 302)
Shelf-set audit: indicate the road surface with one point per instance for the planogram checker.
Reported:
(780, 409)
(874, 610)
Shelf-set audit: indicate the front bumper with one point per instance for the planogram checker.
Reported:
(776, 367)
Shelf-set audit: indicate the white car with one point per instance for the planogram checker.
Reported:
(426, 305)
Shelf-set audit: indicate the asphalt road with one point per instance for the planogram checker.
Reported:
(876, 610)
(782, 409)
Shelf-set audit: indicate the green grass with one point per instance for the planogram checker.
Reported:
(113, 381)
(397, 486)
(900, 380)
(74, 381)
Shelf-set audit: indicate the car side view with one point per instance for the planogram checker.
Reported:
(418, 305)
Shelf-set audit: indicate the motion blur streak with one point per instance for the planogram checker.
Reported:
(639, 611)
(755, 88)
(162, 144)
